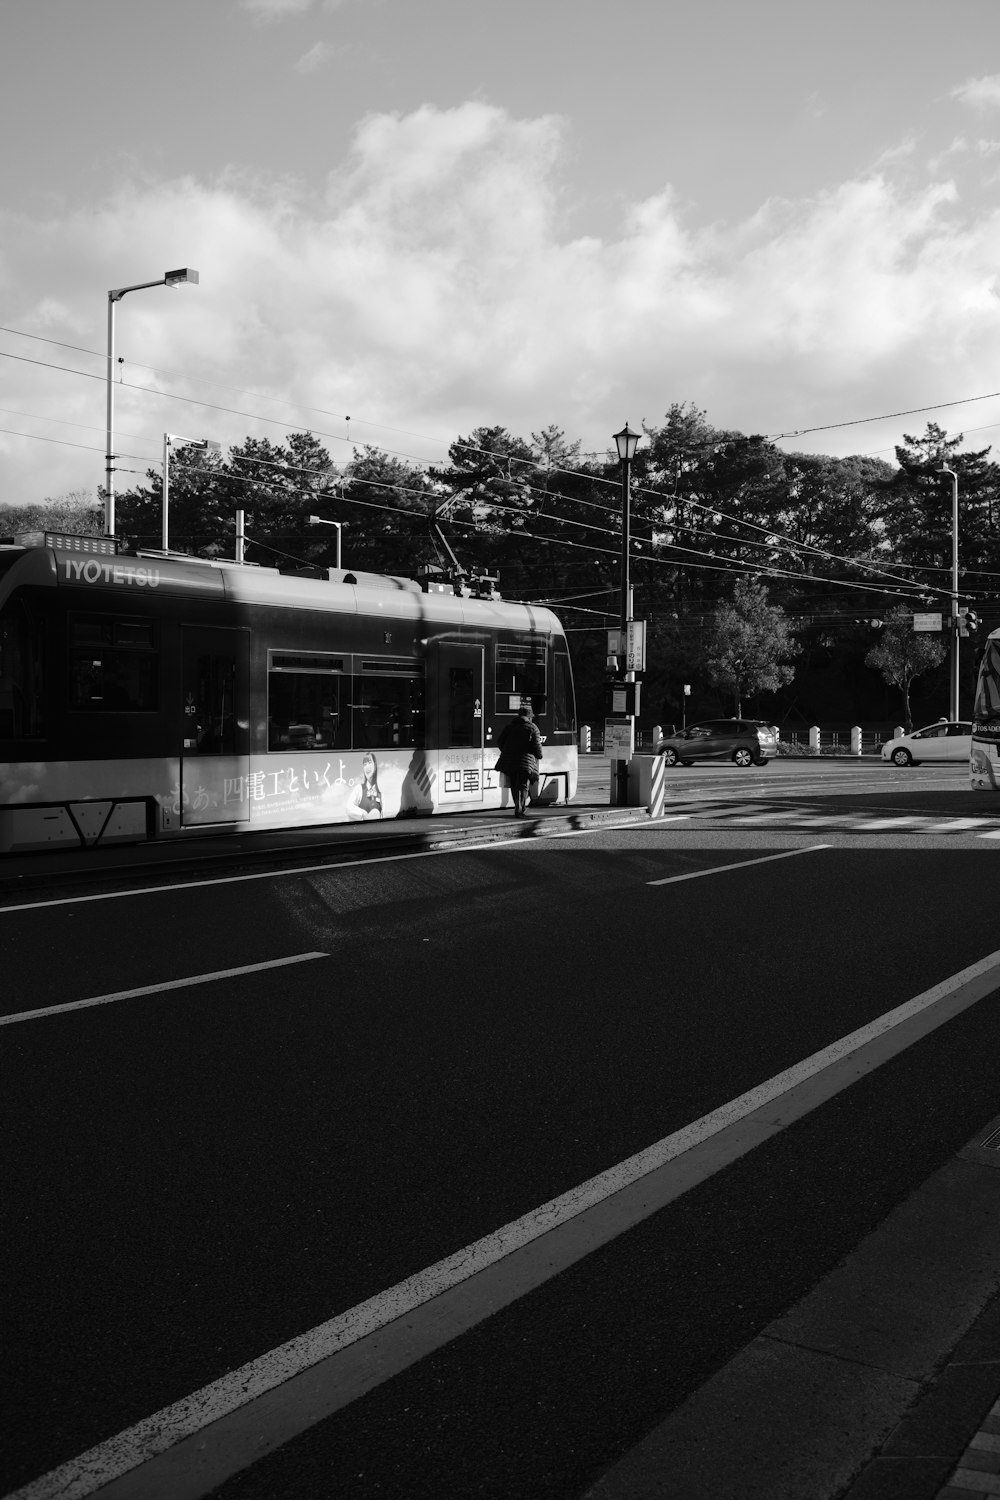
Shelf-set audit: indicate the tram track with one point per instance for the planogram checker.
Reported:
(64, 874)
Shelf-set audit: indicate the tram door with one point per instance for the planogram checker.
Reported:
(459, 736)
(215, 725)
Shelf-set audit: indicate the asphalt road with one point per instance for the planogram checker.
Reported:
(203, 1171)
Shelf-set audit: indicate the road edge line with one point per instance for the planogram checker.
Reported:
(173, 1438)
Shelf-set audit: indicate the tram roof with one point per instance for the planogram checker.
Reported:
(63, 562)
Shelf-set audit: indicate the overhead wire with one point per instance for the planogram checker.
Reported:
(548, 494)
(425, 437)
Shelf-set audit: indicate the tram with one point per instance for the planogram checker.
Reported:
(153, 695)
(984, 755)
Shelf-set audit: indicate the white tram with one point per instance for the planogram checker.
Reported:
(152, 695)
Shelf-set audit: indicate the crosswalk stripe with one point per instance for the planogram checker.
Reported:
(985, 828)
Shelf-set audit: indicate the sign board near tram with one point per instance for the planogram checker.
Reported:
(927, 622)
(619, 739)
(633, 648)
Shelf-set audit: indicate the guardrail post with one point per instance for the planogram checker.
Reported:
(856, 740)
(814, 740)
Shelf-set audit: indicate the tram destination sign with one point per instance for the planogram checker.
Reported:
(134, 573)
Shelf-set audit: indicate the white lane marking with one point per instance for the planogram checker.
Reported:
(872, 825)
(156, 989)
(347, 864)
(197, 885)
(956, 825)
(575, 833)
(738, 865)
(187, 1418)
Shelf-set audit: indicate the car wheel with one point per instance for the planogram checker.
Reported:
(743, 756)
(670, 756)
(764, 761)
(902, 757)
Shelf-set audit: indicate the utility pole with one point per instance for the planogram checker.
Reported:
(953, 707)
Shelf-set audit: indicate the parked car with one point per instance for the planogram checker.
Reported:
(948, 739)
(748, 742)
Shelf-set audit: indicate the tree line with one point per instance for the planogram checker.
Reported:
(733, 541)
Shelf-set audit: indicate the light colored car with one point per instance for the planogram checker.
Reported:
(747, 742)
(949, 739)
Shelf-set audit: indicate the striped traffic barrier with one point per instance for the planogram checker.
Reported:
(657, 787)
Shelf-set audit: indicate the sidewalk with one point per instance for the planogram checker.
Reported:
(882, 1384)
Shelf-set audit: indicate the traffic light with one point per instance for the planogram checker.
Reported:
(971, 621)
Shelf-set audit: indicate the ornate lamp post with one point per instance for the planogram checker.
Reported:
(626, 442)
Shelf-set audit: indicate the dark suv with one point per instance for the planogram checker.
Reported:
(748, 742)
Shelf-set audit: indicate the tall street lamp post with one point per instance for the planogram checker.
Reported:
(954, 589)
(626, 442)
(321, 521)
(169, 278)
(205, 445)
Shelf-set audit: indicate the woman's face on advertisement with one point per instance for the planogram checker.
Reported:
(368, 767)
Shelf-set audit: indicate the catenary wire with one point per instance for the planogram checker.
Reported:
(510, 459)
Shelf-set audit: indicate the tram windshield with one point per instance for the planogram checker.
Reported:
(987, 707)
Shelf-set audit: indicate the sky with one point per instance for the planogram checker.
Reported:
(412, 218)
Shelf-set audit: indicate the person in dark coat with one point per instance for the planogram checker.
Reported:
(520, 751)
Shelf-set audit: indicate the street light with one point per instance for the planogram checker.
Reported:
(954, 588)
(626, 442)
(206, 445)
(320, 521)
(169, 278)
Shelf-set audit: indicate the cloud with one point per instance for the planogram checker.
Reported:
(282, 10)
(274, 10)
(315, 57)
(980, 94)
(433, 288)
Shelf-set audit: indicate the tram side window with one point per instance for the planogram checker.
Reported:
(388, 707)
(520, 678)
(22, 676)
(113, 665)
(306, 700)
(563, 703)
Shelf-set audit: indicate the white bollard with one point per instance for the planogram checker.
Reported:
(814, 740)
(856, 740)
(584, 739)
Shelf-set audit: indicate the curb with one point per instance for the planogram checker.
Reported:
(870, 1386)
(329, 844)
